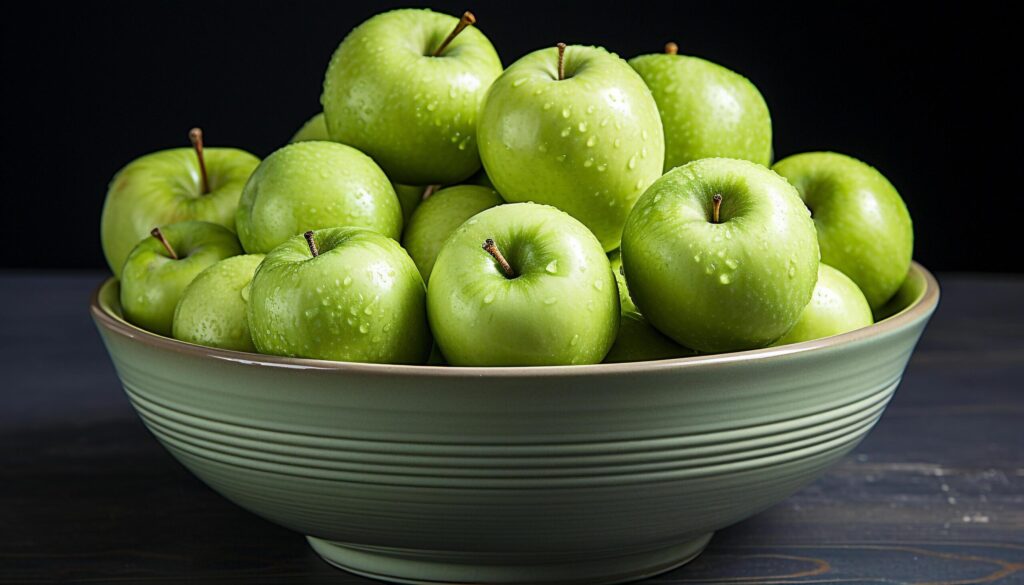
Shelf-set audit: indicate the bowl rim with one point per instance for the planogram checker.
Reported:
(921, 308)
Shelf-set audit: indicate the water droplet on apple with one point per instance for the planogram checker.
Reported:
(547, 105)
(347, 281)
(590, 109)
(363, 327)
(598, 284)
(710, 268)
(643, 152)
(617, 143)
(519, 82)
(657, 198)
(552, 267)
(575, 340)
(724, 279)
(602, 167)
(696, 257)
(731, 263)
(560, 158)
(632, 162)
(589, 162)
(368, 310)
(591, 141)
(433, 106)
(566, 131)
(639, 184)
(566, 112)
(582, 126)
(489, 298)
(643, 134)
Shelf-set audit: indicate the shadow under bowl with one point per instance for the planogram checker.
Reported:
(566, 474)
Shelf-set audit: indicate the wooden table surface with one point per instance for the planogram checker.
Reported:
(935, 494)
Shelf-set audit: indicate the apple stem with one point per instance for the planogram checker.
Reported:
(159, 235)
(312, 243)
(430, 190)
(671, 48)
(196, 136)
(716, 206)
(561, 61)
(493, 250)
(466, 20)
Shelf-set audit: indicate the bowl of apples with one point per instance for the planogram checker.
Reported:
(624, 332)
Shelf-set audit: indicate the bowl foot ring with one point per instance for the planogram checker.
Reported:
(435, 567)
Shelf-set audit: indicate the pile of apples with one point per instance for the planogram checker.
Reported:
(623, 211)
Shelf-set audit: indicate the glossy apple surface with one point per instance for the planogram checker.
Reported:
(738, 283)
(588, 144)
(637, 340)
(707, 110)
(360, 299)
(864, 228)
(837, 306)
(559, 306)
(414, 113)
(153, 281)
(439, 216)
(314, 185)
(165, 187)
(212, 310)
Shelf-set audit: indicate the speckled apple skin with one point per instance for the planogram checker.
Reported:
(837, 306)
(164, 187)
(315, 128)
(415, 114)
(437, 217)
(313, 185)
(637, 340)
(212, 310)
(562, 307)
(864, 228)
(707, 110)
(360, 300)
(152, 282)
(714, 287)
(588, 144)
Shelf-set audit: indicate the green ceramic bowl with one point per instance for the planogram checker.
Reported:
(567, 474)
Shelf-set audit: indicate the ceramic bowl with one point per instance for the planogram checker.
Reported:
(570, 474)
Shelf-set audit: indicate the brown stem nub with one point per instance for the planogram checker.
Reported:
(493, 250)
(561, 61)
(671, 48)
(716, 205)
(312, 243)
(196, 136)
(430, 190)
(466, 20)
(159, 235)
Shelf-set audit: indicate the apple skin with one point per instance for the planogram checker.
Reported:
(837, 306)
(360, 300)
(415, 114)
(438, 216)
(313, 185)
(212, 310)
(864, 228)
(315, 128)
(152, 281)
(714, 287)
(165, 187)
(588, 144)
(637, 340)
(561, 308)
(707, 110)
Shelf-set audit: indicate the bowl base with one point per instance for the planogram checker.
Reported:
(434, 567)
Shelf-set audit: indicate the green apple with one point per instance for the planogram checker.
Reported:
(314, 185)
(212, 310)
(346, 294)
(707, 110)
(584, 137)
(438, 216)
(863, 226)
(522, 285)
(314, 129)
(167, 187)
(721, 255)
(837, 306)
(405, 87)
(163, 264)
(637, 341)
(410, 197)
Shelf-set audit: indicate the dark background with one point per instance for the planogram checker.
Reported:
(929, 96)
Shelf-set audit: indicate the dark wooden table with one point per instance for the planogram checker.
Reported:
(934, 495)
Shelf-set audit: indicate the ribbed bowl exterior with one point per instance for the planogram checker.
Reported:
(557, 464)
